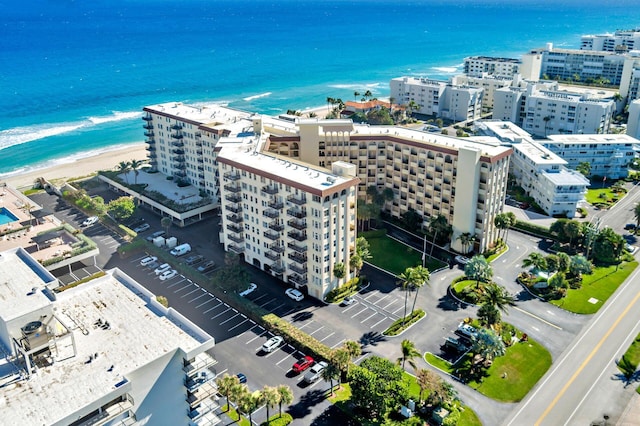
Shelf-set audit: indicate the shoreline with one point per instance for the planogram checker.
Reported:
(80, 167)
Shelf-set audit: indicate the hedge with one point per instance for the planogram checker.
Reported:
(277, 420)
(536, 230)
(305, 343)
(349, 288)
(397, 327)
(82, 281)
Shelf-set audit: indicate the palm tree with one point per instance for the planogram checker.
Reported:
(409, 352)
(135, 165)
(500, 222)
(329, 374)
(422, 276)
(477, 268)
(355, 95)
(407, 282)
(166, 222)
(535, 260)
(423, 377)
(269, 397)
(27, 207)
(584, 168)
(636, 213)
(511, 220)
(465, 239)
(341, 359)
(227, 386)
(123, 168)
(248, 402)
(496, 297)
(368, 94)
(488, 345)
(572, 229)
(353, 348)
(285, 396)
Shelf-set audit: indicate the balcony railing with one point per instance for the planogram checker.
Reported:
(234, 228)
(296, 235)
(298, 279)
(277, 248)
(296, 247)
(233, 188)
(268, 189)
(176, 127)
(149, 134)
(295, 200)
(234, 198)
(181, 173)
(274, 204)
(272, 256)
(235, 238)
(147, 117)
(179, 165)
(297, 224)
(233, 208)
(297, 213)
(177, 151)
(276, 226)
(271, 235)
(177, 144)
(151, 148)
(236, 249)
(235, 218)
(198, 363)
(298, 269)
(177, 135)
(278, 267)
(232, 175)
(272, 214)
(299, 258)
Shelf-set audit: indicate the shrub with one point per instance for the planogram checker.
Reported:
(397, 327)
(278, 421)
(303, 342)
(347, 289)
(163, 301)
(82, 281)
(536, 230)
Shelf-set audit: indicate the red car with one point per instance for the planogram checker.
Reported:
(302, 364)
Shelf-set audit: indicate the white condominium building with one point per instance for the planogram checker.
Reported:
(292, 220)
(633, 123)
(608, 155)
(477, 66)
(438, 98)
(620, 41)
(102, 353)
(489, 84)
(630, 82)
(463, 181)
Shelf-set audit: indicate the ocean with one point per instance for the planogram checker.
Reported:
(75, 74)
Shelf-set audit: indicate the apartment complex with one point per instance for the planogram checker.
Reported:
(102, 353)
(541, 108)
(434, 175)
(619, 41)
(608, 155)
(633, 123)
(477, 66)
(630, 82)
(489, 85)
(438, 98)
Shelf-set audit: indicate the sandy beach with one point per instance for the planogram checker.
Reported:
(82, 167)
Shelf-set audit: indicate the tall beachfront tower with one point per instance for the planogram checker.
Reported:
(101, 353)
(292, 220)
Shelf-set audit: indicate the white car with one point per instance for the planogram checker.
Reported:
(148, 260)
(631, 249)
(272, 344)
(294, 294)
(141, 228)
(462, 260)
(168, 274)
(315, 372)
(160, 269)
(90, 221)
(249, 290)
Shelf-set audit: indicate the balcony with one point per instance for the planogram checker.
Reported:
(297, 224)
(177, 144)
(181, 173)
(151, 148)
(233, 198)
(177, 151)
(201, 394)
(232, 188)
(297, 235)
(147, 117)
(298, 258)
(276, 226)
(198, 363)
(298, 280)
(235, 238)
(201, 176)
(235, 218)
(296, 247)
(149, 134)
(270, 213)
(232, 175)
(297, 213)
(275, 204)
(177, 136)
(278, 267)
(179, 165)
(277, 248)
(295, 200)
(233, 209)
(272, 256)
(298, 269)
(203, 414)
(268, 189)
(148, 126)
(234, 228)
(271, 235)
(176, 127)
(236, 249)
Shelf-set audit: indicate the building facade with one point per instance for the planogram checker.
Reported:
(620, 41)
(477, 66)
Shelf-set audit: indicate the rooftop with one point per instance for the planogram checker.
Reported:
(593, 139)
(211, 114)
(140, 331)
(506, 131)
(538, 154)
(566, 177)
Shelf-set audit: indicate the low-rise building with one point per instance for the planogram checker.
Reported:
(477, 66)
(633, 123)
(101, 353)
(619, 41)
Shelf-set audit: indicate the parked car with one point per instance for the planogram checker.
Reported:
(141, 228)
(249, 290)
(466, 330)
(148, 260)
(160, 269)
(193, 259)
(206, 267)
(242, 378)
(155, 235)
(168, 274)
(272, 344)
(462, 260)
(348, 301)
(181, 250)
(315, 372)
(631, 249)
(630, 227)
(90, 221)
(294, 294)
(302, 364)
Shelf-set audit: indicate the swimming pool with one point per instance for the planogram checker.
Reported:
(6, 216)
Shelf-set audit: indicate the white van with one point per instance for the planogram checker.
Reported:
(181, 249)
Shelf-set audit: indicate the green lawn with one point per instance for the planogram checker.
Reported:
(593, 195)
(633, 355)
(599, 285)
(510, 377)
(394, 256)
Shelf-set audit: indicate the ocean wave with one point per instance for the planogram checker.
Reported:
(448, 70)
(116, 116)
(25, 134)
(357, 86)
(262, 95)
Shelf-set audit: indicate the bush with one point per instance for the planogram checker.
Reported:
(303, 342)
(537, 230)
(275, 420)
(82, 281)
(397, 327)
(347, 289)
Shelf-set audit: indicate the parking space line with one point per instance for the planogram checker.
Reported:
(303, 326)
(278, 307)
(257, 337)
(191, 292)
(264, 304)
(226, 310)
(363, 309)
(177, 282)
(370, 316)
(337, 344)
(286, 313)
(259, 297)
(211, 309)
(349, 308)
(204, 303)
(392, 302)
(399, 309)
(229, 319)
(318, 329)
(332, 333)
(379, 322)
(373, 293)
(382, 298)
(236, 326)
(204, 293)
(182, 288)
(283, 359)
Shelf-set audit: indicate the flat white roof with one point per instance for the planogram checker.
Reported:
(505, 130)
(206, 113)
(538, 153)
(20, 274)
(139, 332)
(594, 139)
(566, 177)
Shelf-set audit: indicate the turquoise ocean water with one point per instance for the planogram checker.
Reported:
(74, 75)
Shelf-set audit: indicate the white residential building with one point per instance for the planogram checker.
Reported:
(630, 81)
(101, 353)
(633, 123)
(609, 154)
(620, 41)
(477, 66)
(489, 85)
(438, 98)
